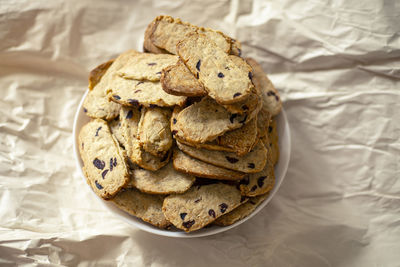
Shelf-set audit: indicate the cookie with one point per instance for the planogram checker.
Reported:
(146, 160)
(164, 181)
(104, 161)
(178, 80)
(144, 206)
(224, 80)
(97, 73)
(154, 132)
(239, 141)
(252, 162)
(133, 93)
(96, 103)
(147, 66)
(270, 96)
(204, 121)
(97, 106)
(127, 130)
(273, 140)
(240, 212)
(200, 206)
(185, 163)
(164, 32)
(256, 184)
(263, 119)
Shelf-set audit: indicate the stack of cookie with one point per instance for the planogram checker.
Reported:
(184, 134)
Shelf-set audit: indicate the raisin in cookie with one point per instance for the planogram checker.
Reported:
(256, 184)
(200, 206)
(252, 162)
(163, 181)
(185, 163)
(225, 80)
(240, 212)
(104, 161)
(133, 93)
(144, 206)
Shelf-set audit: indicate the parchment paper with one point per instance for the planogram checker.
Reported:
(336, 65)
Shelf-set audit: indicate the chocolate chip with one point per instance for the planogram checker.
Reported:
(260, 181)
(153, 106)
(174, 132)
(133, 102)
(174, 121)
(223, 207)
(183, 215)
(253, 188)
(251, 165)
(130, 114)
(221, 75)
(97, 131)
(232, 117)
(151, 64)
(245, 107)
(198, 200)
(115, 162)
(211, 212)
(198, 65)
(84, 110)
(270, 129)
(242, 198)
(276, 98)
(117, 97)
(197, 76)
(139, 83)
(137, 91)
(158, 72)
(231, 159)
(98, 185)
(270, 93)
(250, 75)
(252, 202)
(111, 164)
(103, 174)
(245, 180)
(237, 94)
(239, 52)
(188, 224)
(99, 163)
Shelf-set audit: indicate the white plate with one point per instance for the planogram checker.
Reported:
(280, 172)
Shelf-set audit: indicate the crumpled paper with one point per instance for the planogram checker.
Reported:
(336, 65)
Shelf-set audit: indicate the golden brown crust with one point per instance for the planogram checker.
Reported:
(148, 45)
(98, 72)
(184, 163)
(178, 80)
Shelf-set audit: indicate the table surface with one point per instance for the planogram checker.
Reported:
(337, 68)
